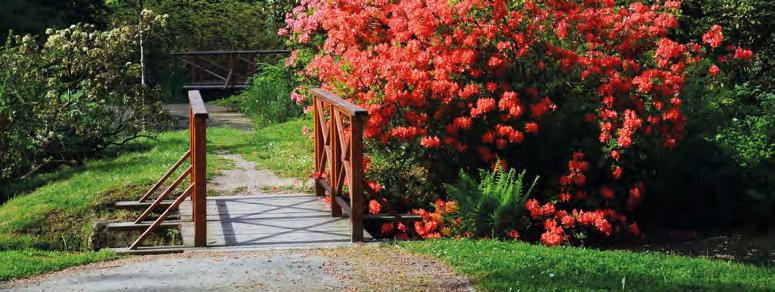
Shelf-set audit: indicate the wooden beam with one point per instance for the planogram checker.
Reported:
(345, 106)
(165, 176)
(126, 226)
(343, 204)
(134, 205)
(164, 195)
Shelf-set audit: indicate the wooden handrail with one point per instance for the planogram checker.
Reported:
(237, 52)
(197, 189)
(339, 152)
(341, 104)
(198, 108)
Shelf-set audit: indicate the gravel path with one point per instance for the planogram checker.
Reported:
(245, 179)
(361, 268)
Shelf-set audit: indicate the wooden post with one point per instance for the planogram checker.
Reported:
(198, 130)
(356, 177)
(334, 161)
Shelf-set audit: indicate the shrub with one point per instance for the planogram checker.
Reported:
(474, 83)
(71, 97)
(268, 98)
(492, 207)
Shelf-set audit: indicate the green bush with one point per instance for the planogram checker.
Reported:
(71, 97)
(492, 206)
(268, 98)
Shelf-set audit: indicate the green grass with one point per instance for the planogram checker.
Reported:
(281, 148)
(59, 214)
(505, 266)
(24, 263)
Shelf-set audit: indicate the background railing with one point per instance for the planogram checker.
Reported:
(223, 69)
(339, 156)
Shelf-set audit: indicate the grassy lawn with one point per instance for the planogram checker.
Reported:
(505, 266)
(23, 263)
(281, 148)
(59, 214)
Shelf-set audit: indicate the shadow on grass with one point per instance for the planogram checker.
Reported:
(506, 280)
(106, 164)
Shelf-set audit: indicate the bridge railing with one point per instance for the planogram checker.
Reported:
(338, 137)
(222, 69)
(197, 172)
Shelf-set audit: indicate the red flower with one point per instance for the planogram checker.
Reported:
(617, 173)
(374, 207)
(513, 234)
(742, 54)
(534, 208)
(552, 237)
(634, 229)
(386, 228)
(607, 192)
(430, 142)
(375, 186)
(714, 70)
(531, 127)
(547, 209)
(713, 37)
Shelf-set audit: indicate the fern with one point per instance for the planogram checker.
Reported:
(492, 204)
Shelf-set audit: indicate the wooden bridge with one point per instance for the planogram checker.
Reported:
(268, 220)
(222, 70)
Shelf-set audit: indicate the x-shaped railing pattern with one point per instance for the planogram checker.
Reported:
(339, 156)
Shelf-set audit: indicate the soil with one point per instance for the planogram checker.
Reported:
(357, 268)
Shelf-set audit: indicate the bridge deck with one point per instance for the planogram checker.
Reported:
(269, 221)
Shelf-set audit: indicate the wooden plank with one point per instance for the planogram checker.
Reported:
(165, 176)
(148, 250)
(160, 221)
(197, 107)
(345, 106)
(388, 217)
(193, 86)
(132, 205)
(129, 225)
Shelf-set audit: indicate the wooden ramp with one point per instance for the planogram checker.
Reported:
(269, 221)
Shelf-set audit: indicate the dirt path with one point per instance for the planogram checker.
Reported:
(362, 268)
(219, 116)
(245, 179)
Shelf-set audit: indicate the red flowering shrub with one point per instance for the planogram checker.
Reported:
(476, 78)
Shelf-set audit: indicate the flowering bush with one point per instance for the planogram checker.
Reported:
(478, 79)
